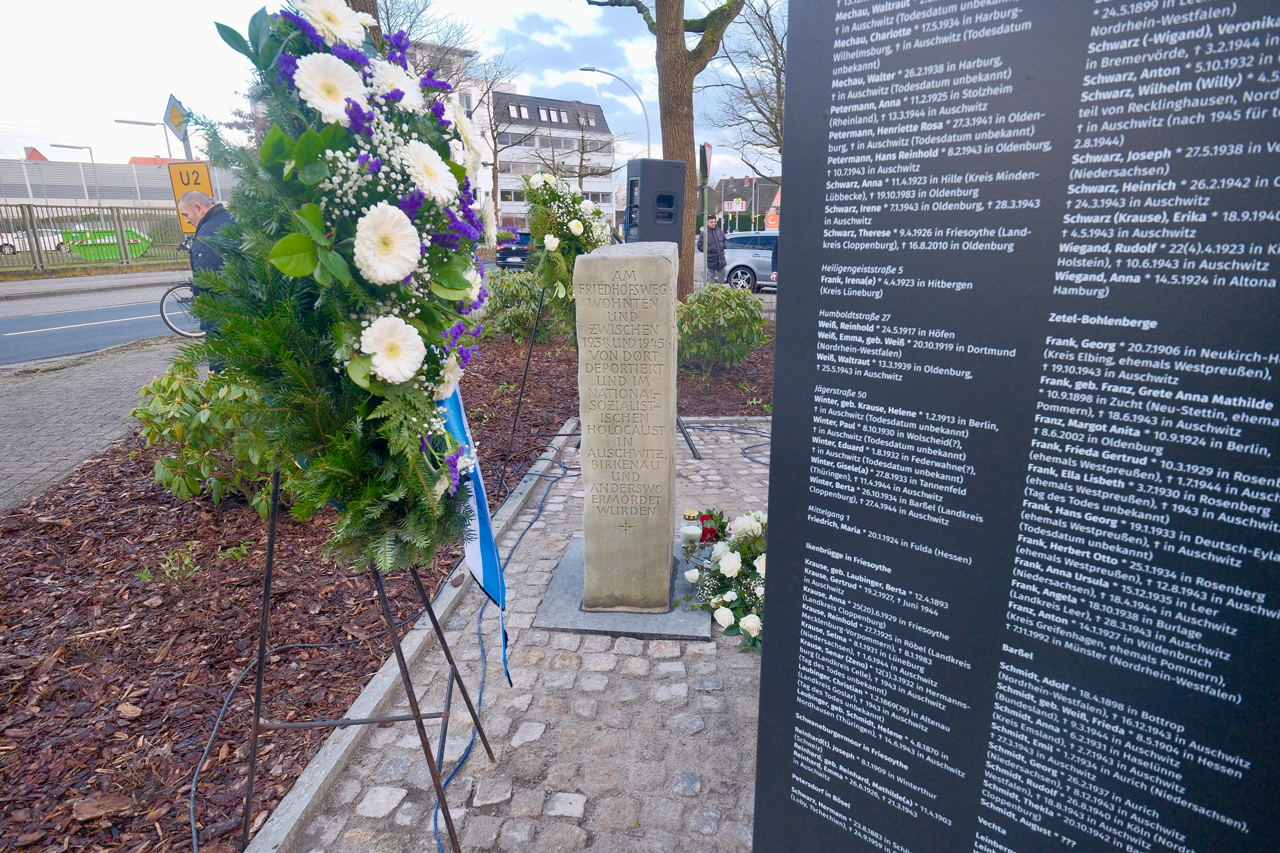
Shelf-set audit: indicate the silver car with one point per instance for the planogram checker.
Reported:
(749, 259)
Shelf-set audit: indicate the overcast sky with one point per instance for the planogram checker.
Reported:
(69, 78)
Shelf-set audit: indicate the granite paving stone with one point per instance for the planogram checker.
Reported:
(606, 743)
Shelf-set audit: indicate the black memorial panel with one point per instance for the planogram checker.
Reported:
(1025, 578)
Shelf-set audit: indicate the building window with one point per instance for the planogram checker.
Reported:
(465, 101)
(511, 110)
(564, 117)
(542, 113)
(591, 121)
(511, 195)
(600, 198)
(524, 112)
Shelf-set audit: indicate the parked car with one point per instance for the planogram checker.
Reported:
(748, 259)
(512, 255)
(15, 242)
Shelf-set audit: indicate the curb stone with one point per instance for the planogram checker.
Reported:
(322, 771)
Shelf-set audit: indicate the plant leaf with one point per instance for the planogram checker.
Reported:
(358, 369)
(294, 255)
(237, 42)
(311, 219)
(448, 294)
(335, 264)
(276, 147)
(259, 29)
(314, 172)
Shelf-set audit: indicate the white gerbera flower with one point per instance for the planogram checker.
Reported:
(325, 82)
(388, 76)
(537, 181)
(450, 376)
(429, 172)
(587, 207)
(751, 625)
(396, 347)
(760, 564)
(467, 136)
(731, 564)
(334, 20)
(489, 218)
(576, 227)
(724, 616)
(551, 242)
(473, 276)
(387, 245)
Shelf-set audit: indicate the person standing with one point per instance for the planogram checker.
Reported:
(716, 246)
(207, 217)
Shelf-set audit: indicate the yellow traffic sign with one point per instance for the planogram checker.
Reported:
(186, 177)
(176, 116)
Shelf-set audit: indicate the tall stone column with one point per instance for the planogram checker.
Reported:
(626, 297)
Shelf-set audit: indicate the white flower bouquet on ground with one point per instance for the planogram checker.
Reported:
(728, 570)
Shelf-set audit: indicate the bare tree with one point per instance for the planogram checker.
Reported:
(749, 84)
(575, 163)
(490, 78)
(678, 65)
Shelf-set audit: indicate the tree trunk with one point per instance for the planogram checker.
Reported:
(369, 7)
(497, 211)
(675, 100)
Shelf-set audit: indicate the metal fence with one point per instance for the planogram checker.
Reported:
(40, 237)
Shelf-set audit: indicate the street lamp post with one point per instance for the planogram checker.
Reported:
(102, 219)
(158, 124)
(648, 138)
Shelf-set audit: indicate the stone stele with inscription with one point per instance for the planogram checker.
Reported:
(626, 297)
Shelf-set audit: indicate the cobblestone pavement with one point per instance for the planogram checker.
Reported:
(55, 415)
(603, 743)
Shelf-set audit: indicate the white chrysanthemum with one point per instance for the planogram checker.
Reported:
(576, 227)
(325, 82)
(551, 242)
(724, 616)
(692, 576)
(388, 76)
(450, 376)
(760, 564)
(490, 220)
(387, 245)
(334, 21)
(587, 207)
(731, 564)
(751, 625)
(537, 181)
(429, 172)
(396, 347)
(473, 276)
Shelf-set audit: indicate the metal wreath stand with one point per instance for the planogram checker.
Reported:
(434, 762)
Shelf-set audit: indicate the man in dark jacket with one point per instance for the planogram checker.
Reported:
(715, 250)
(207, 217)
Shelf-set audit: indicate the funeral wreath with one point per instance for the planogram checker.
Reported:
(350, 299)
(728, 568)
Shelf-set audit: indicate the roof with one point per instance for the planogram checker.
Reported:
(573, 108)
(156, 160)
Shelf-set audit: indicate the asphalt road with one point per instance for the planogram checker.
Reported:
(58, 333)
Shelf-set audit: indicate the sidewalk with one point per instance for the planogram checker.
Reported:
(56, 414)
(36, 288)
(604, 743)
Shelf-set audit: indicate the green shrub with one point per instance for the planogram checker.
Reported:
(513, 307)
(206, 450)
(719, 326)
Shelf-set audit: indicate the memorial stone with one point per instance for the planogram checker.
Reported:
(1024, 554)
(626, 306)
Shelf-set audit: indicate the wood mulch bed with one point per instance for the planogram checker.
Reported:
(127, 614)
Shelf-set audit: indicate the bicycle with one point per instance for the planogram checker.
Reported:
(175, 310)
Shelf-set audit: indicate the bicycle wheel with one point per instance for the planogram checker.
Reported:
(175, 310)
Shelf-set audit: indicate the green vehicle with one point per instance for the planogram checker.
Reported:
(100, 244)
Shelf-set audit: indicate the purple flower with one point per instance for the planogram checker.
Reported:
(359, 120)
(463, 229)
(304, 25)
(455, 478)
(375, 165)
(412, 203)
(423, 247)
(466, 354)
(392, 96)
(286, 66)
(437, 110)
(399, 47)
(445, 240)
(350, 54)
(429, 81)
